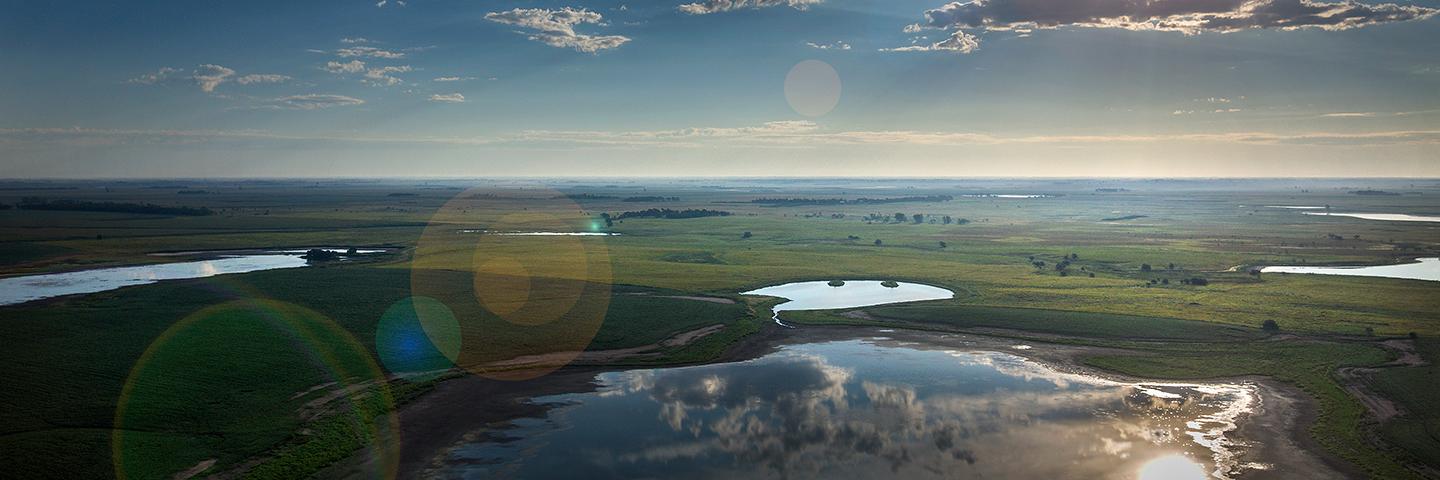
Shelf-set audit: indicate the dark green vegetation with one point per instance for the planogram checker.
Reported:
(801, 202)
(318, 325)
(1038, 269)
(672, 214)
(36, 203)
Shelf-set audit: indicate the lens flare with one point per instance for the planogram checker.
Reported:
(408, 347)
(207, 384)
(1171, 467)
(540, 298)
(812, 88)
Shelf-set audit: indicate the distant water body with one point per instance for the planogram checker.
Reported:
(1389, 217)
(1423, 269)
(16, 290)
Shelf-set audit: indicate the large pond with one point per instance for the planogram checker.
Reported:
(853, 294)
(15, 290)
(1422, 269)
(869, 409)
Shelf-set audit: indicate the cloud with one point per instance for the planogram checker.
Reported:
(448, 98)
(208, 77)
(829, 46)
(959, 42)
(453, 79)
(556, 28)
(261, 78)
(1351, 114)
(368, 52)
(354, 40)
(353, 66)
(381, 76)
(1185, 16)
(383, 3)
(716, 6)
(313, 102)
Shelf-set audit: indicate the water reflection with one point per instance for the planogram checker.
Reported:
(859, 409)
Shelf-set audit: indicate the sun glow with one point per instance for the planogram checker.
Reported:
(1171, 467)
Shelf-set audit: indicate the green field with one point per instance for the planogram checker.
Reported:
(280, 333)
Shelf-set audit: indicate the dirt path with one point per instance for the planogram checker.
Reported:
(1356, 380)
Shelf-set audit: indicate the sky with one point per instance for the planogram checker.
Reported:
(882, 88)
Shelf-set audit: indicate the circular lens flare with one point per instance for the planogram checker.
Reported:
(812, 88)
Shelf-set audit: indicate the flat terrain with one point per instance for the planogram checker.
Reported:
(279, 373)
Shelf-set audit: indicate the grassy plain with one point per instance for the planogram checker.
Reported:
(69, 359)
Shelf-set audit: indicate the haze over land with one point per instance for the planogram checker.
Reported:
(790, 88)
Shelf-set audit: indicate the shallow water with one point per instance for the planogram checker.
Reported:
(868, 409)
(1389, 217)
(855, 293)
(1423, 269)
(15, 290)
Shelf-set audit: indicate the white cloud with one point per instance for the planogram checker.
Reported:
(556, 28)
(381, 76)
(313, 102)
(368, 52)
(208, 77)
(959, 42)
(383, 3)
(1186, 16)
(448, 98)
(829, 46)
(353, 66)
(261, 78)
(1351, 114)
(453, 79)
(716, 6)
(354, 40)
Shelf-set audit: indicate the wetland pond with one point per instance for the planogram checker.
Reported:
(1421, 269)
(869, 408)
(16, 290)
(822, 295)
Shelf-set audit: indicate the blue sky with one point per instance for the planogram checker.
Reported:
(925, 88)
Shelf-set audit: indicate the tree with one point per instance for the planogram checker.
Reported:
(942, 244)
(919, 218)
(878, 242)
(1172, 267)
(1164, 281)
(745, 235)
(1144, 267)
(1270, 326)
(609, 222)
(899, 217)
(945, 219)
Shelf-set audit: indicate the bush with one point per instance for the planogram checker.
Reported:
(1270, 326)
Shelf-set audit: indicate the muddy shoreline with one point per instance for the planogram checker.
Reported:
(464, 409)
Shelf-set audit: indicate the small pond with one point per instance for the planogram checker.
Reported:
(1422, 269)
(872, 408)
(854, 293)
(16, 290)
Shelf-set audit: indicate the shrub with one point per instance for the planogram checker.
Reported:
(1270, 326)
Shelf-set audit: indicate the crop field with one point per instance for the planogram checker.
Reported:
(113, 375)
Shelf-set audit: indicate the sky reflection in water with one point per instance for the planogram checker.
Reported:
(863, 409)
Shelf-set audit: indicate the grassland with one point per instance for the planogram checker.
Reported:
(71, 358)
